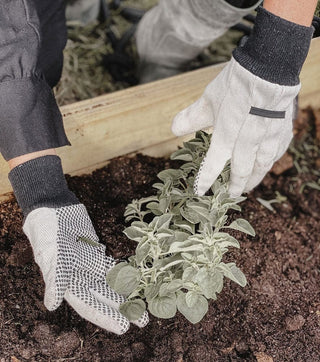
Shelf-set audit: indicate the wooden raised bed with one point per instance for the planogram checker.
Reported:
(138, 119)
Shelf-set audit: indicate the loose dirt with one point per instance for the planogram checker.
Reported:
(276, 317)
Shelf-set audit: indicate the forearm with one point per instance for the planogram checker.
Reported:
(297, 11)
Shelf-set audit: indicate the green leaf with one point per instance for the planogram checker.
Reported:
(161, 222)
(200, 209)
(140, 224)
(184, 225)
(170, 174)
(189, 215)
(174, 285)
(182, 154)
(127, 280)
(151, 291)
(134, 233)
(164, 233)
(193, 314)
(158, 186)
(224, 240)
(180, 236)
(210, 282)
(221, 221)
(191, 298)
(267, 203)
(142, 251)
(232, 272)
(242, 225)
(163, 307)
(145, 200)
(235, 207)
(113, 273)
(163, 291)
(171, 264)
(164, 204)
(188, 274)
(133, 309)
(179, 247)
(154, 206)
(187, 256)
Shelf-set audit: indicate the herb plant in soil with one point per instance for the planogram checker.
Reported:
(276, 317)
(182, 239)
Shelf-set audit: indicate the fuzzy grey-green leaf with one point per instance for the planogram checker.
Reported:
(113, 273)
(134, 233)
(232, 272)
(197, 312)
(133, 309)
(163, 307)
(242, 225)
(127, 280)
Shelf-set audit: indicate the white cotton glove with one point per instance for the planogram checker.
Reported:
(74, 266)
(174, 32)
(252, 126)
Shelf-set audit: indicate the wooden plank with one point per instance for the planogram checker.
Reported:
(310, 77)
(139, 118)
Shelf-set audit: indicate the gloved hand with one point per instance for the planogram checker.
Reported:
(252, 126)
(65, 245)
(174, 32)
(74, 266)
(250, 105)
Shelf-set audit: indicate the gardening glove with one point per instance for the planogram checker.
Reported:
(65, 245)
(175, 31)
(250, 105)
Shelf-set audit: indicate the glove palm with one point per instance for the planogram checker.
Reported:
(74, 265)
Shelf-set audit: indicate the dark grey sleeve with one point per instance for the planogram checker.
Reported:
(30, 119)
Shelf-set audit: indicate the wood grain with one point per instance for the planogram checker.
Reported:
(138, 119)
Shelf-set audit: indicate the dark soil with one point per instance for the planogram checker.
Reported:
(276, 317)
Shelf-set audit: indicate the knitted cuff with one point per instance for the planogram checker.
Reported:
(41, 183)
(276, 49)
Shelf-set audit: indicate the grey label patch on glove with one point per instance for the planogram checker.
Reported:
(266, 113)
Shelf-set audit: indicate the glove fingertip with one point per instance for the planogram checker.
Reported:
(234, 195)
(199, 192)
(52, 299)
(100, 314)
(51, 303)
(142, 321)
(178, 127)
(235, 191)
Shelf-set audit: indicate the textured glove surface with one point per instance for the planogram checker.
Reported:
(252, 126)
(74, 265)
(174, 32)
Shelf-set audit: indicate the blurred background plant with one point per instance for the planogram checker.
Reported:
(89, 54)
(92, 64)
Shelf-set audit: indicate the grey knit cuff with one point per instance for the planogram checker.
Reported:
(276, 49)
(41, 183)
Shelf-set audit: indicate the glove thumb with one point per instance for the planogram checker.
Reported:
(41, 229)
(194, 118)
